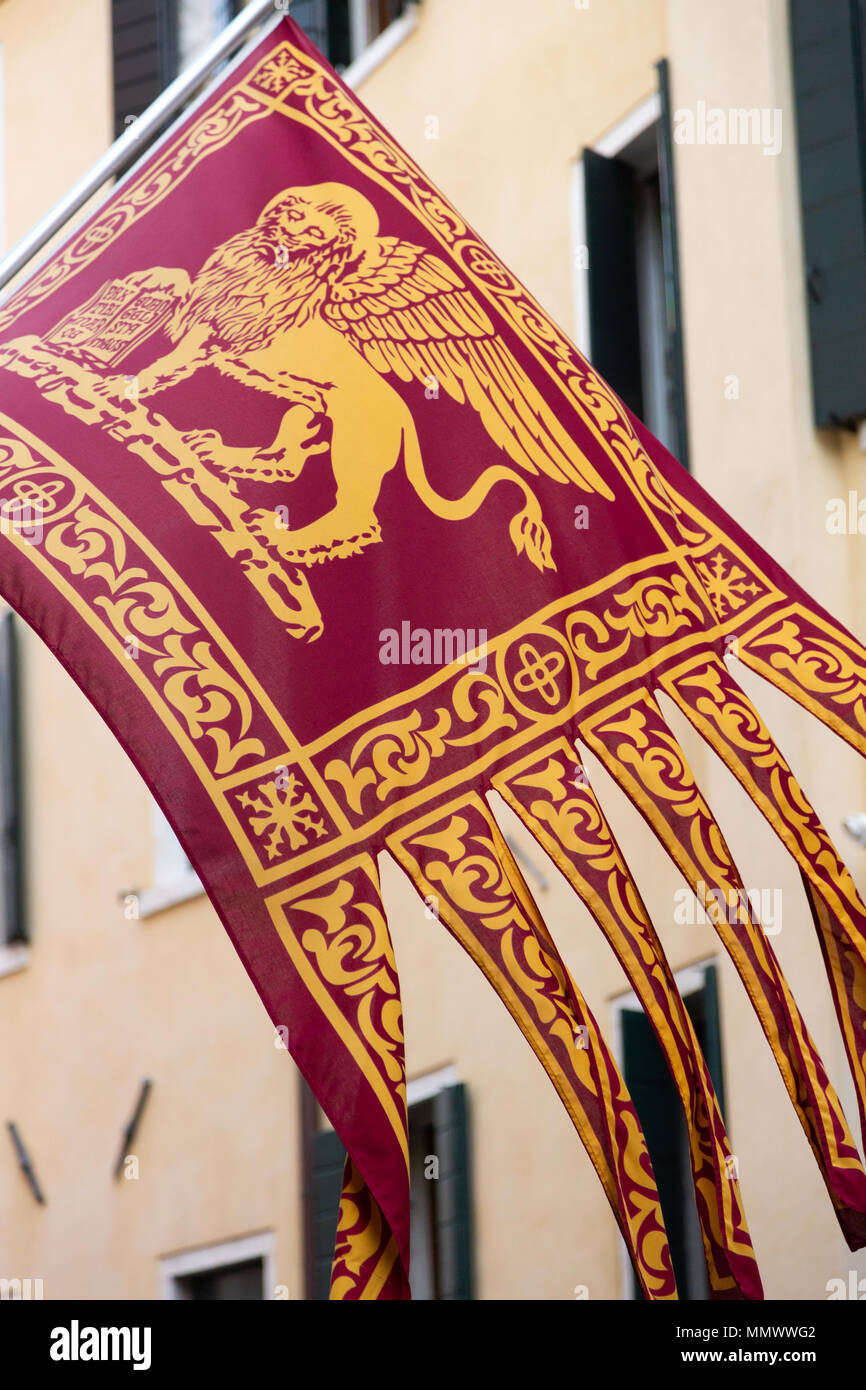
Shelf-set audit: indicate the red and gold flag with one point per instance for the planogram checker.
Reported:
(290, 466)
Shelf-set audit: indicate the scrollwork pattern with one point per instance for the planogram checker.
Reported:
(213, 129)
(651, 607)
(559, 807)
(398, 753)
(815, 663)
(462, 863)
(365, 1253)
(644, 757)
(353, 954)
(147, 619)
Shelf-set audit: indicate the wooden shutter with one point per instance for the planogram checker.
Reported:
(453, 1204)
(614, 324)
(329, 1158)
(12, 923)
(828, 73)
(671, 255)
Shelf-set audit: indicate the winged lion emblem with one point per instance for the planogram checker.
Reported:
(312, 305)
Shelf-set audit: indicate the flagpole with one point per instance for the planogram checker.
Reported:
(136, 136)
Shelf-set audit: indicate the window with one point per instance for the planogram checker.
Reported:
(12, 924)
(441, 1265)
(828, 52)
(626, 268)
(343, 29)
(237, 1270)
(318, 18)
(657, 1103)
(174, 878)
(153, 41)
(242, 1281)
(198, 23)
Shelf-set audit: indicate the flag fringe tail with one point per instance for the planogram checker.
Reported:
(366, 1259)
(553, 798)
(645, 759)
(347, 1037)
(459, 862)
(818, 664)
(724, 716)
(793, 642)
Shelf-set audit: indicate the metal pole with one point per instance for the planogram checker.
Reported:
(136, 137)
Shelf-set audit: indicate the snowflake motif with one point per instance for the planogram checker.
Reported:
(726, 584)
(283, 814)
(274, 75)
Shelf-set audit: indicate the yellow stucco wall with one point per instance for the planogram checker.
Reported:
(57, 103)
(518, 90)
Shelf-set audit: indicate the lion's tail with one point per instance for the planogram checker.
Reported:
(526, 528)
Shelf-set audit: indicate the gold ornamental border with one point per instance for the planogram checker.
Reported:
(349, 830)
(289, 74)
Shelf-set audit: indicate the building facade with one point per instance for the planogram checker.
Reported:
(680, 187)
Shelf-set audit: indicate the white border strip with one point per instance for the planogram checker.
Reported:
(645, 114)
(214, 1257)
(14, 956)
(382, 47)
(425, 1087)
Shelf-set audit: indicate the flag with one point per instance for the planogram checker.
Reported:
(339, 533)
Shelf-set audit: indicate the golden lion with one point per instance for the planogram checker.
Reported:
(313, 306)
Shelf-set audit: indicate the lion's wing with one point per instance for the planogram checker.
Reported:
(412, 315)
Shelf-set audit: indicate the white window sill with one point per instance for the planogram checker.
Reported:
(381, 48)
(167, 895)
(14, 957)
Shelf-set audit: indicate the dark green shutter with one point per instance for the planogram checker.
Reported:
(453, 1237)
(312, 16)
(670, 251)
(657, 1103)
(712, 1040)
(339, 50)
(453, 1203)
(144, 44)
(659, 1111)
(329, 1158)
(613, 297)
(12, 924)
(828, 73)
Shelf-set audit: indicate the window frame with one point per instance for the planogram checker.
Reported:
(207, 1259)
(444, 1099)
(652, 111)
(171, 882)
